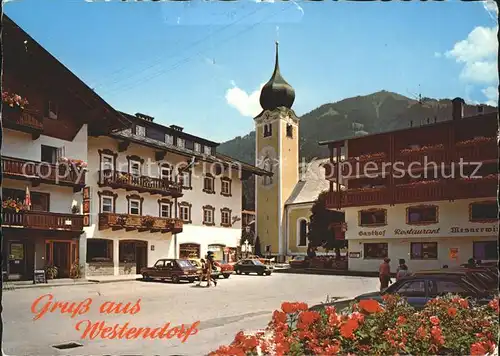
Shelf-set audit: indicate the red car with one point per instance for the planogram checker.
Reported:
(226, 269)
(300, 262)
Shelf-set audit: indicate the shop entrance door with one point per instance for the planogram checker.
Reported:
(17, 260)
(62, 254)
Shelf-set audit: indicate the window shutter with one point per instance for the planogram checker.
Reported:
(60, 153)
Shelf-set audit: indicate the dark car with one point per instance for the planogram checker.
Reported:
(481, 278)
(171, 269)
(252, 266)
(300, 262)
(419, 289)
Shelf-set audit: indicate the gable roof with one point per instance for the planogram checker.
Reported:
(311, 184)
(100, 117)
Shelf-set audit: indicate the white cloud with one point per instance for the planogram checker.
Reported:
(247, 104)
(478, 53)
(491, 93)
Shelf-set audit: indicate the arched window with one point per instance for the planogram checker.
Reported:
(302, 230)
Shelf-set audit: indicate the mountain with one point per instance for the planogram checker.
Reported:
(378, 112)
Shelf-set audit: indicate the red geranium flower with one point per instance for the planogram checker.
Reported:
(279, 316)
(434, 320)
(482, 348)
(437, 335)
(494, 304)
(348, 328)
(452, 311)
(309, 317)
(401, 320)
(370, 306)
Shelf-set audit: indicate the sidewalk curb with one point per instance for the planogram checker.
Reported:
(114, 280)
(47, 285)
(328, 272)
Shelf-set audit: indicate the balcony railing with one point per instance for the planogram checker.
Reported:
(365, 196)
(134, 222)
(41, 220)
(139, 183)
(419, 159)
(476, 188)
(477, 151)
(22, 119)
(44, 172)
(422, 191)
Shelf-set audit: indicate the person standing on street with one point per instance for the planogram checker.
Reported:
(210, 268)
(384, 273)
(402, 269)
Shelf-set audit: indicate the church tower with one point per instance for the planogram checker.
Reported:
(277, 151)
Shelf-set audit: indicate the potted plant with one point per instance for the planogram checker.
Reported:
(14, 100)
(147, 221)
(422, 149)
(13, 205)
(123, 178)
(121, 220)
(474, 141)
(51, 271)
(75, 271)
(78, 163)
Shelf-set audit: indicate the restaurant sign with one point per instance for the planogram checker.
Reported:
(416, 231)
(372, 233)
(465, 230)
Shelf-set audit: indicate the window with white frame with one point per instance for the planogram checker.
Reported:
(166, 172)
(208, 216)
(226, 187)
(140, 130)
(197, 147)
(180, 142)
(184, 212)
(184, 179)
(207, 150)
(106, 204)
(135, 168)
(134, 207)
(169, 139)
(107, 162)
(208, 184)
(165, 210)
(226, 217)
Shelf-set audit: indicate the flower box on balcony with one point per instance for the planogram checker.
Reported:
(476, 179)
(370, 189)
(418, 183)
(78, 163)
(371, 156)
(121, 220)
(14, 100)
(475, 141)
(13, 205)
(147, 221)
(123, 178)
(429, 148)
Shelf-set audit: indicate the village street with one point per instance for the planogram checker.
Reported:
(241, 302)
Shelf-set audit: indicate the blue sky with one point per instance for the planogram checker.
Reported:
(199, 64)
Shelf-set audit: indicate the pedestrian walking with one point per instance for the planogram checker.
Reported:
(203, 271)
(384, 273)
(210, 268)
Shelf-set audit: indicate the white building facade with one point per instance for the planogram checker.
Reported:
(170, 177)
(427, 235)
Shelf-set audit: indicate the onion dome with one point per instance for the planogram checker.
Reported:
(277, 92)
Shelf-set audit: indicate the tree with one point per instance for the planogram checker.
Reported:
(320, 233)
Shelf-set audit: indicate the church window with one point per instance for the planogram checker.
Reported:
(289, 130)
(302, 230)
(268, 130)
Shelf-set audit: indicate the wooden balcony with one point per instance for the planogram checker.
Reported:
(477, 151)
(476, 188)
(25, 120)
(141, 184)
(129, 222)
(365, 196)
(43, 172)
(419, 159)
(40, 220)
(422, 191)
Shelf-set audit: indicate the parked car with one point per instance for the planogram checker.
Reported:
(171, 269)
(248, 266)
(481, 278)
(419, 289)
(266, 261)
(196, 262)
(226, 270)
(300, 262)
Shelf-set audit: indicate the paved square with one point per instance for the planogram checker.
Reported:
(241, 302)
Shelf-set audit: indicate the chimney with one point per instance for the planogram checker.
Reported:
(144, 117)
(480, 109)
(176, 128)
(457, 108)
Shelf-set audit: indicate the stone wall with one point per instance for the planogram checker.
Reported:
(127, 268)
(100, 269)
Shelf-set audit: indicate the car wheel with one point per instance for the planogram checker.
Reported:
(191, 280)
(175, 279)
(238, 271)
(247, 273)
(268, 273)
(226, 276)
(146, 277)
(260, 273)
